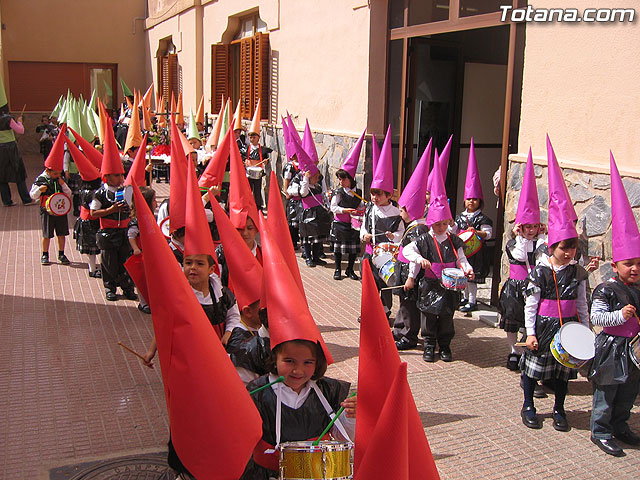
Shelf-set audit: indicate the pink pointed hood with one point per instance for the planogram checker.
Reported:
(289, 147)
(472, 184)
(625, 238)
(350, 164)
(375, 153)
(308, 143)
(439, 204)
(383, 174)
(528, 203)
(413, 196)
(444, 158)
(561, 212)
(305, 162)
(551, 159)
(436, 163)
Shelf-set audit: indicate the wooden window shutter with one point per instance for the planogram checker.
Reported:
(261, 73)
(163, 74)
(174, 75)
(246, 77)
(219, 75)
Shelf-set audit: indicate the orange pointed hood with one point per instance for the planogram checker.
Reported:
(137, 171)
(87, 170)
(255, 122)
(111, 161)
(55, 159)
(197, 235)
(178, 184)
(241, 201)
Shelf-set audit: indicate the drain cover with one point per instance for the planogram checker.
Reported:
(151, 466)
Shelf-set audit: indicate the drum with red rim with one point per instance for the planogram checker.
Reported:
(58, 204)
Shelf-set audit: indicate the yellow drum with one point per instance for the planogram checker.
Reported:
(329, 460)
(472, 242)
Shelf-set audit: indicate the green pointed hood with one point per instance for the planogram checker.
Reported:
(126, 91)
(192, 132)
(58, 107)
(3, 94)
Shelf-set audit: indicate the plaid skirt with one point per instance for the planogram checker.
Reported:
(84, 232)
(545, 367)
(344, 239)
(313, 240)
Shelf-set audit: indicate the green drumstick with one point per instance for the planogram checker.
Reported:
(338, 413)
(277, 380)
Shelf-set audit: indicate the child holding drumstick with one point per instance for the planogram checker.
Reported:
(616, 304)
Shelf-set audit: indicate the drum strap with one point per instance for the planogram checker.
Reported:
(452, 248)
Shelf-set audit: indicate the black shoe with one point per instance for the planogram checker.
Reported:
(144, 308)
(97, 274)
(130, 295)
(310, 263)
(322, 254)
(529, 418)
(337, 275)
(351, 274)
(397, 337)
(111, 296)
(608, 446)
(464, 301)
(63, 259)
(28, 202)
(405, 344)
(304, 255)
(513, 362)
(560, 421)
(429, 354)
(469, 307)
(10, 204)
(445, 355)
(44, 259)
(319, 261)
(628, 437)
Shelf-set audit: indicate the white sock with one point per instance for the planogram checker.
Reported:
(472, 289)
(92, 263)
(513, 338)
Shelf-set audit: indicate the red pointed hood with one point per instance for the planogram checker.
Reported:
(214, 172)
(87, 170)
(178, 184)
(137, 171)
(55, 160)
(390, 437)
(289, 315)
(111, 161)
(241, 202)
(88, 149)
(197, 235)
(245, 271)
(377, 368)
(279, 228)
(195, 368)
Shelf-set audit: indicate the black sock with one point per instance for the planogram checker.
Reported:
(529, 385)
(45, 253)
(60, 253)
(561, 388)
(352, 261)
(338, 258)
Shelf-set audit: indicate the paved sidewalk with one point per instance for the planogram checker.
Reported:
(70, 394)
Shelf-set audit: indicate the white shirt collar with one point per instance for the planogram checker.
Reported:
(287, 395)
(467, 214)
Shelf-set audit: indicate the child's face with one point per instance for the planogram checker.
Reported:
(563, 254)
(254, 139)
(197, 270)
(345, 182)
(249, 233)
(251, 314)
(195, 143)
(530, 230)
(472, 204)
(53, 174)
(114, 179)
(380, 198)
(440, 228)
(297, 364)
(154, 204)
(628, 270)
(405, 215)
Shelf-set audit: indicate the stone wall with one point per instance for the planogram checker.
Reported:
(591, 195)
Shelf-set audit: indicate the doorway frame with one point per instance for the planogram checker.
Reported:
(455, 23)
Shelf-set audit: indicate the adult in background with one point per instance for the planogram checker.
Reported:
(11, 166)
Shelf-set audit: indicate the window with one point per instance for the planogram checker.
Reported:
(169, 71)
(240, 69)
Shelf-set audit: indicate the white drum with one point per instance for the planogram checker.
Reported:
(254, 172)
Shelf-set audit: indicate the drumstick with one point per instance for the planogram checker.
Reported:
(391, 288)
(277, 380)
(135, 353)
(520, 344)
(338, 413)
(358, 196)
(23, 109)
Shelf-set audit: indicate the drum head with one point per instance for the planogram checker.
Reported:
(466, 235)
(128, 194)
(578, 340)
(453, 272)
